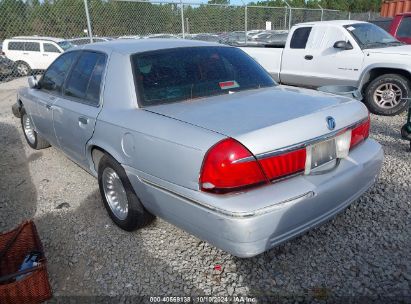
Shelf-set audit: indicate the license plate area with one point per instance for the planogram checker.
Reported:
(320, 154)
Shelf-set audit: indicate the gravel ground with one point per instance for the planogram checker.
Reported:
(363, 253)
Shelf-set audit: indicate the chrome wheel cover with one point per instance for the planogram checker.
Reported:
(388, 95)
(115, 193)
(22, 69)
(29, 129)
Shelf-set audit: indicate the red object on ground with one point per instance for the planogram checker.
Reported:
(34, 287)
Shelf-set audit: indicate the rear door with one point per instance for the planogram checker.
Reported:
(75, 114)
(51, 85)
(295, 57)
(49, 53)
(32, 55)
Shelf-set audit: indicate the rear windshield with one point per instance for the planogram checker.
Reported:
(171, 75)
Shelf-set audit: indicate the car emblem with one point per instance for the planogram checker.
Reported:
(330, 123)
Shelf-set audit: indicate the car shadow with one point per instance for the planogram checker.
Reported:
(88, 256)
(18, 195)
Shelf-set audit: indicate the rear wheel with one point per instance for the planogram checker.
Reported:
(34, 140)
(119, 197)
(22, 68)
(386, 95)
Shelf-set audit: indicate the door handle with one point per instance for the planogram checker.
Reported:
(308, 57)
(25, 53)
(45, 55)
(83, 120)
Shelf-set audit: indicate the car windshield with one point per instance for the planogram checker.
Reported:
(65, 45)
(371, 36)
(171, 75)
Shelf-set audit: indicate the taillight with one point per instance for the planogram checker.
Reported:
(282, 165)
(360, 133)
(228, 166)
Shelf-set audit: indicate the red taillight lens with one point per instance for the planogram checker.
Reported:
(285, 164)
(360, 133)
(223, 169)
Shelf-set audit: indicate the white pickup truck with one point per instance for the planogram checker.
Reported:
(352, 53)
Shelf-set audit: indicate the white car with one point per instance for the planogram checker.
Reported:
(344, 52)
(33, 53)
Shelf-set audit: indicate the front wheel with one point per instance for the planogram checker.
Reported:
(120, 200)
(387, 95)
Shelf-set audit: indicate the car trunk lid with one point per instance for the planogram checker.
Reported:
(267, 119)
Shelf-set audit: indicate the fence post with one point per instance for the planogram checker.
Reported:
(369, 15)
(322, 12)
(290, 16)
(285, 17)
(245, 23)
(182, 18)
(90, 34)
(349, 15)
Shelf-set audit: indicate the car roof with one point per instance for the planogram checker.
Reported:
(332, 22)
(132, 46)
(54, 39)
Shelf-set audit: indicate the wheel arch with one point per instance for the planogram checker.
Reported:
(374, 71)
(95, 151)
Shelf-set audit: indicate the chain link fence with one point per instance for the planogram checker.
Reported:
(77, 20)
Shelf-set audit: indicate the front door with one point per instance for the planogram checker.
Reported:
(329, 65)
(75, 114)
(49, 91)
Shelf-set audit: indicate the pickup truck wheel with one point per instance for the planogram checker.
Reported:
(22, 68)
(119, 197)
(385, 94)
(34, 140)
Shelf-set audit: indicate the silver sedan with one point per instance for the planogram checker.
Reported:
(200, 135)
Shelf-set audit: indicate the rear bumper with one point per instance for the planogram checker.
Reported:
(290, 207)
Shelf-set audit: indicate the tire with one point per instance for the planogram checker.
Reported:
(22, 68)
(33, 139)
(131, 215)
(385, 94)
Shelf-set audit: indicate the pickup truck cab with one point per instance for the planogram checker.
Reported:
(401, 27)
(343, 52)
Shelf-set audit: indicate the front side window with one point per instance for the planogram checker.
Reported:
(369, 36)
(55, 75)
(50, 48)
(84, 81)
(32, 46)
(300, 38)
(404, 30)
(16, 46)
(172, 75)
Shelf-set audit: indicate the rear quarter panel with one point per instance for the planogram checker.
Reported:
(155, 145)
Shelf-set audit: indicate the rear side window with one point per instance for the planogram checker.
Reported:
(32, 46)
(404, 30)
(16, 46)
(300, 38)
(50, 48)
(85, 78)
(55, 75)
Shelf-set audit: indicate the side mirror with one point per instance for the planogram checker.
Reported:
(343, 45)
(47, 84)
(33, 83)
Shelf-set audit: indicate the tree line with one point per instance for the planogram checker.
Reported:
(67, 18)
